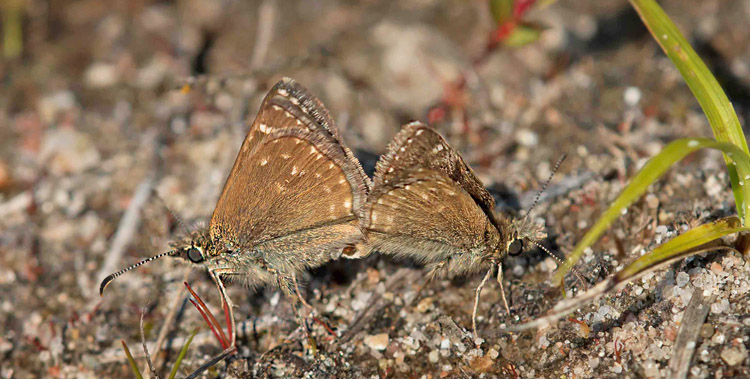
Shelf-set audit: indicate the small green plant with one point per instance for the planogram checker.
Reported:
(208, 317)
(729, 139)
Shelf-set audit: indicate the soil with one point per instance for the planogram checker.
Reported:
(120, 121)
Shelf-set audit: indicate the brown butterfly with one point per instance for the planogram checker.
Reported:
(427, 204)
(293, 200)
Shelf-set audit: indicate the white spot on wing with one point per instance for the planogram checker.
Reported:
(264, 128)
(283, 92)
(347, 204)
(264, 161)
(285, 156)
(294, 170)
(276, 107)
(439, 147)
(420, 131)
(294, 100)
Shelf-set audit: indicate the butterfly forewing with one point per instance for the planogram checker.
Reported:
(292, 176)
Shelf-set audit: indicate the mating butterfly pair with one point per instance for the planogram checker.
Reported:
(297, 198)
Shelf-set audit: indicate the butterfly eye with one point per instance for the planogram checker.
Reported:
(195, 255)
(516, 247)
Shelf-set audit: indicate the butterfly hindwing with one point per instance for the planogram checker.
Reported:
(419, 145)
(427, 203)
(425, 215)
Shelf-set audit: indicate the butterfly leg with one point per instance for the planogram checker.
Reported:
(502, 289)
(476, 303)
(430, 277)
(299, 295)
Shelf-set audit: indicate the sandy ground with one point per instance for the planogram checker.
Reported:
(104, 161)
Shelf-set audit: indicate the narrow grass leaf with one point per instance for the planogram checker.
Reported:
(682, 245)
(133, 365)
(653, 170)
(719, 111)
(182, 354)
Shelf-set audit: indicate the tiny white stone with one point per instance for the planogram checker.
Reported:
(632, 96)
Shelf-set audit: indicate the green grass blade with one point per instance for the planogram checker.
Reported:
(133, 365)
(681, 244)
(184, 350)
(654, 169)
(719, 111)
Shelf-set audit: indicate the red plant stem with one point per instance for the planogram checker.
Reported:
(211, 315)
(225, 305)
(520, 7)
(210, 325)
(326, 326)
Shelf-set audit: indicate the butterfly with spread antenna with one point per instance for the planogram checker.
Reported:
(293, 201)
(427, 204)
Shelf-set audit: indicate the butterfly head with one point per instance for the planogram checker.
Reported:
(200, 248)
(521, 233)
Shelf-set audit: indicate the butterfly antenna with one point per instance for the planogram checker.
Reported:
(559, 261)
(546, 183)
(181, 225)
(114, 276)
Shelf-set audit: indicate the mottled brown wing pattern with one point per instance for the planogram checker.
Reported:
(419, 145)
(292, 175)
(426, 215)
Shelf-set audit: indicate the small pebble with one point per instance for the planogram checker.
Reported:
(493, 354)
(632, 96)
(682, 279)
(377, 341)
(733, 356)
(652, 201)
(434, 356)
(445, 344)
